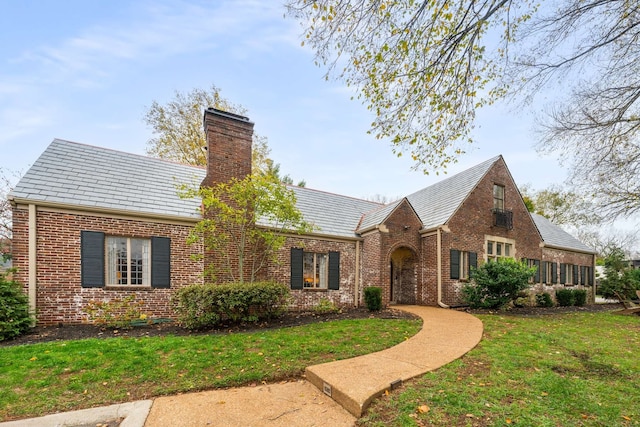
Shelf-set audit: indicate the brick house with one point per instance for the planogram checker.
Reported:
(95, 224)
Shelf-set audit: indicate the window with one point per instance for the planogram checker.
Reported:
(113, 260)
(586, 275)
(128, 261)
(461, 263)
(549, 272)
(567, 274)
(502, 248)
(535, 263)
(315, 270)
(498, 197)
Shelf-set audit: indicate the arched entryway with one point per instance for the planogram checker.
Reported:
(404, 276)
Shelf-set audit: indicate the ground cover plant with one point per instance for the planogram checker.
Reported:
(572, 369)
(66, 375)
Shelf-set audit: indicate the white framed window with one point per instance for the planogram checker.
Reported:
(315, 270)
(499, 247)
(128, 261)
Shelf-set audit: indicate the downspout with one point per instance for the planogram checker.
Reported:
(33, 279)
(356, 287)
(439, 269)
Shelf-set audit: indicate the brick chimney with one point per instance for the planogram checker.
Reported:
(229, 138)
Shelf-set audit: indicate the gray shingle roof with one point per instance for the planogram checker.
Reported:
(553, 235)
(79, 175)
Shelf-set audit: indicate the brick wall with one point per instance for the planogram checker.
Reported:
(60, 296)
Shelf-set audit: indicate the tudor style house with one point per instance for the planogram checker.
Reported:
(96, 224)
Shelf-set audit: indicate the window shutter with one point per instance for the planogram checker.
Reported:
(160, 262)
(454, 262)
(92, 259)
(583, 274)
(544, 272)
(554, 273)
(296, 268)
(536, 263)
(334, 270)
(575, 274)
(473, 261)
(563, 273)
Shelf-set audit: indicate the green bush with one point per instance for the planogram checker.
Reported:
(324, 306)
(565, 297)
(206, 306)
(115, 313)
(496, 283)
(373, 298)
(15, 318)
(544, 300)
(580, 297)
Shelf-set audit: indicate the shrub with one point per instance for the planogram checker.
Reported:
(325, 305)
(565, 297)
(544, 300)
(373, 298)
(580, 297)
(115, 313)
(496, 283)
(205, 306)
(15, 318)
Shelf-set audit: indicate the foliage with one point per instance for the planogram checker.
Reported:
(373, 298)
(205, 306)
(325, 305)
(6, 179)
(234, 210)
(496, 283)
(68, 375)
(425, 67)
(561, 206)
(574, 369)
(116, 313)
(15, 318)
(580, 297)
(544, 300)
(565, 297)
(620, 280)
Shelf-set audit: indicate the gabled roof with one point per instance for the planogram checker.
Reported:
(435, 204)
(556, 237)
(72, 174)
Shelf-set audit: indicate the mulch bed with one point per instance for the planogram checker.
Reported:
(73, 332)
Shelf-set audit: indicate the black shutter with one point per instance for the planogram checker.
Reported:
(583, 274)
(473, 261)
(575, 275)
(92, 259)
(296, 268)
(563, 274)
(536, 263)
(454, 262)
(160, 262)
(334, 270)
(544, 272)
(554, 272)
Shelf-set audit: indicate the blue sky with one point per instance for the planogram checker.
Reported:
(85, 71)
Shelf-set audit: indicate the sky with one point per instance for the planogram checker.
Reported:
(86, 71)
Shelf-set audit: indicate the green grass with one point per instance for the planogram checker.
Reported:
(579, 369)
(60, 376)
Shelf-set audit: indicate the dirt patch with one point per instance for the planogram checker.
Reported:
(75, 332)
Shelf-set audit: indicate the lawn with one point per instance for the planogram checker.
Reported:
(578, 369)
(44, 378)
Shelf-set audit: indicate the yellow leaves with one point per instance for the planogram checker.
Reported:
(33, 359)
(626, 417)
(423, 409)
(508, 421)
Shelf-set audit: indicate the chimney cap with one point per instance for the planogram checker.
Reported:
(226, 114)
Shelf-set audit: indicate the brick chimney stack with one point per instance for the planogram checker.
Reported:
(229, 139)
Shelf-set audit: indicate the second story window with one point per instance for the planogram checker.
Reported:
(498, 197)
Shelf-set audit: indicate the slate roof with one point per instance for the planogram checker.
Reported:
(72, 174)
(555, 236)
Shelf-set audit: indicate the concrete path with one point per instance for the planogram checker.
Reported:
(335, 393)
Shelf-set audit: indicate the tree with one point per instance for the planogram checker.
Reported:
(179, 134)
(562, 207)
(620, 280)
(497, 283)
(245, 221)
(6, 178)
(425, 67)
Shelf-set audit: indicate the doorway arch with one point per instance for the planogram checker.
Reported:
(403, 264)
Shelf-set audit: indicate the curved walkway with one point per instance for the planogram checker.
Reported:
(335, 393)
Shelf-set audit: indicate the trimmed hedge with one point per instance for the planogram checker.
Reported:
(206, 306)
(544, 300)
(567, 297)
(373, 298)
